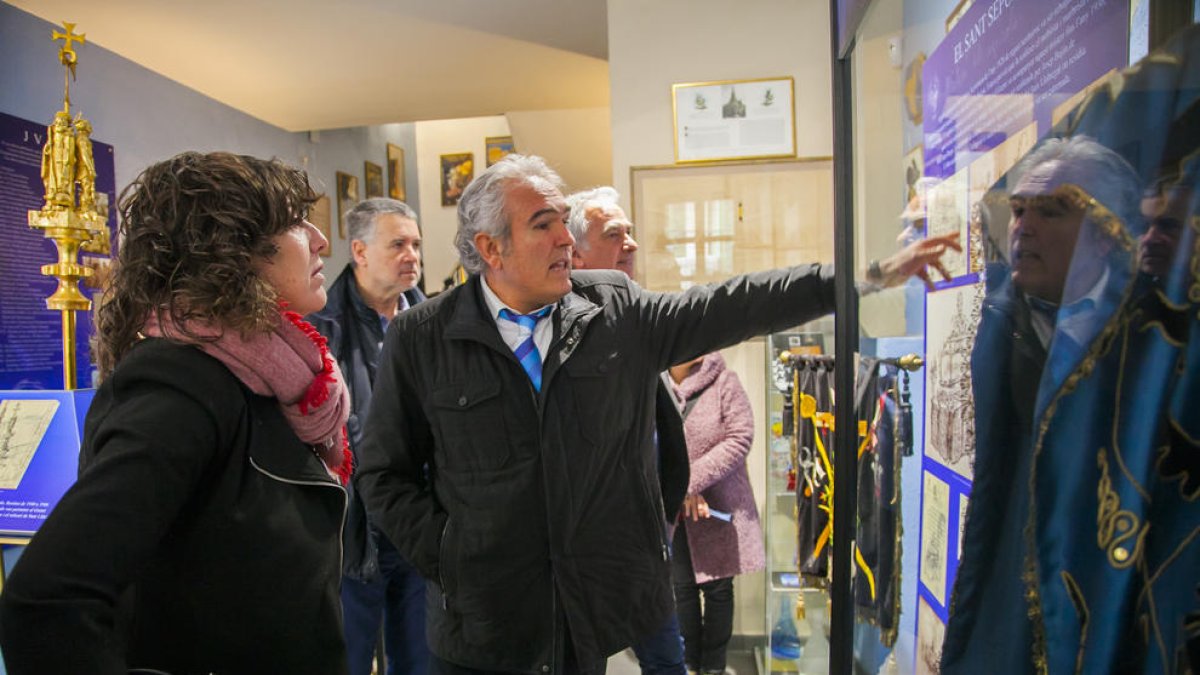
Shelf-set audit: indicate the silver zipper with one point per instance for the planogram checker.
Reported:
(318, 483)
(441, 563)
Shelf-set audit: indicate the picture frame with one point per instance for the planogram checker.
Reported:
(395, 173)
(458, 169)
(347, 197)
(372, 180)
(498, 147)
(957, 13)
(726, 120)
(318, 215)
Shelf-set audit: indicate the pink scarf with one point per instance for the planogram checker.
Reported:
(291, 364)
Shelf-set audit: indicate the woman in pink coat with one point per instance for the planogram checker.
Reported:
(720, 536)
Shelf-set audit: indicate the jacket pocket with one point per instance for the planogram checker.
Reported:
(471, 424)
(595, 379)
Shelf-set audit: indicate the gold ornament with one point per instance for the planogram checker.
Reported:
(68, 169)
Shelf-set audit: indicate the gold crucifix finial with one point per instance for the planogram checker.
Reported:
(66, 55)
(69, 37)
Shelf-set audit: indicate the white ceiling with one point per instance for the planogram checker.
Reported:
(321, 64)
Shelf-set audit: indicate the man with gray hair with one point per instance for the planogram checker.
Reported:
(509, 452)
(1071, 201)
(603, 233)
(379, 588)
(604, 241)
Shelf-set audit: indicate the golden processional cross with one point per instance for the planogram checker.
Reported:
(68, 167)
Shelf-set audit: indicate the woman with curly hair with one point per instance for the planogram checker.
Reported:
(203, 534)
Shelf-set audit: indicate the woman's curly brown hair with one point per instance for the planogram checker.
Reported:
(192, 228)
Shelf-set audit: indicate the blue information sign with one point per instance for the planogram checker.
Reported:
(40, 433)
(1007, 64)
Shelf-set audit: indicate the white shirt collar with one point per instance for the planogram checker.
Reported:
(511, 332)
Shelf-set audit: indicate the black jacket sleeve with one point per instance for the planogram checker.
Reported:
(702, 319)
(149, 441)
(393, 459)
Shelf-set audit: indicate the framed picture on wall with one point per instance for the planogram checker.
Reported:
(395, 172)
(347, 197)
(457, 171)
(319, 215)
(373, 175)
(498, 147)
(734, 119)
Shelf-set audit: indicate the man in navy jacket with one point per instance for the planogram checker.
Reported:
(379, 588)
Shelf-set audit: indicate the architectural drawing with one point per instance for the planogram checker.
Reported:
(952, 318)
(935, 536)
(23, 423)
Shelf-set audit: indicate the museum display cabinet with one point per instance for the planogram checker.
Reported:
(1010, 122)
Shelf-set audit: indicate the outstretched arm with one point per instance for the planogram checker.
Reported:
(914, 260)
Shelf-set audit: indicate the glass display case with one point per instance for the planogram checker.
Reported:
(1010, 123)
(796, 607)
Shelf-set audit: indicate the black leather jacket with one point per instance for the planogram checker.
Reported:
(355, 332)
(544, 506)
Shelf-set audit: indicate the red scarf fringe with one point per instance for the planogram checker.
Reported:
(318, 390)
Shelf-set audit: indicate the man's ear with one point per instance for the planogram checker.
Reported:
(577, 259)
(490, 250)
(358, 252)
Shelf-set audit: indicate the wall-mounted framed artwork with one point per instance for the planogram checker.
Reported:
(395, 172)
(457, 171)
(319, 215)
(347, 197)
(372, 179)
(498, 147)
(734, 119)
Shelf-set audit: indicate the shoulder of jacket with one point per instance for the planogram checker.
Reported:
(439, 308)
(600, 286)
(613, 279)
(182, 368)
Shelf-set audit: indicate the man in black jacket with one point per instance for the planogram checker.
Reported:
(379, 588)
(604, 241)
(509, 452)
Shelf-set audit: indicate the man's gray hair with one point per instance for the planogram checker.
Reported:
(360, 220)
(481, 207)
(579, 204)
(1092, 166)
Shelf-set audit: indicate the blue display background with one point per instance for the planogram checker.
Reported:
(54, 465)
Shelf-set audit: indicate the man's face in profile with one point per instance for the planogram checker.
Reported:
(1042, 233)
(1165, 214)
(609, 241)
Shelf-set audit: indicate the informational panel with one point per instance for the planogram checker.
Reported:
(734, 119)
(31, 335)
(40, 432)
(1008, 63)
